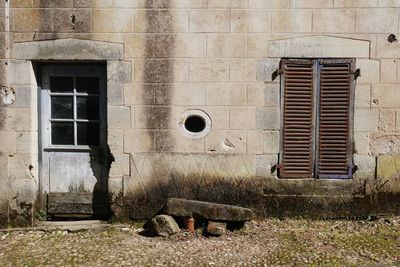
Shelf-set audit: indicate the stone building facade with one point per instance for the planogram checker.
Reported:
(121, 104)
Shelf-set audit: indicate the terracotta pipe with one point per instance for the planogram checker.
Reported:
(189, 224)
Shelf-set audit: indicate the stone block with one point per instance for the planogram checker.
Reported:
(311, 3)
(387, 120)
(20, 3)
(398, 120)
(272, 95)
(20, 73)
(366, 120)
(180, 94)
(242, 69)
(165, 45)
(31, 20)
(242, 118)
(226, 94)
(94, 3)
(157, 117)
(8, 142)
(120, 167)
(115, 140)
(27, 142)
(209, 20)
(52, 4)
(269, 4)
(162, 225)
(271, 141)
(266, 166)
(291, 20)
(72, 20)
(256, 45)
(254, 142)
(161, 71)
(140, 94)
(376, 20)
(20, 167)
(136, 141)
(70, 49)
(267, 69)
(385, 96)
(226, 45)
(318, 46)
(206, 210)
(20, 119)
(362, 98)
(219, 117)
(119, 117)
(25, 192)
(122, 20)
(228, 4)
(222, 141)
(388, 177)
(325, 20)
(355, 3)
(208, 70)
(250, 21)
(176, 141)
(255, 94)
(115, 94)
(24, 96)
(163, 20)
(369, 69)
(365, 166)
(2, 20)
(388, 3)
(361, 143)
(119, 71)
(267, 118)
(115, 186)
(388, 70)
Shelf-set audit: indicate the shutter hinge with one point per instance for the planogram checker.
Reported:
(279, 166)
(275, 74)
(356, 73)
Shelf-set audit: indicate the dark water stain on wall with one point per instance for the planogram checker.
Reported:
(158, 70)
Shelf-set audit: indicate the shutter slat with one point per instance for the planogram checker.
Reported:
(297, 132)
(334, 100)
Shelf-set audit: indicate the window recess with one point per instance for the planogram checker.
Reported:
(317, 116)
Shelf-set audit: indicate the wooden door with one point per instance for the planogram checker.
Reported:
(73, 140)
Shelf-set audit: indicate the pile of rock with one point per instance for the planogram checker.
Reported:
(213, 218)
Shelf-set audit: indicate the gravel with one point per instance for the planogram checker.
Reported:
(271, 242)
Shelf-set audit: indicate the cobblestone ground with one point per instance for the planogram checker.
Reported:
(270, 242)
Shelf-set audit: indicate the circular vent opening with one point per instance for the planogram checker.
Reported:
(195, 124)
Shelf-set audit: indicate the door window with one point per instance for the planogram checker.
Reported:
(75, 110)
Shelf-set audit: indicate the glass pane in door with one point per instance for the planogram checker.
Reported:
(88, 85)
(62, 133)
(62, 107)
(88, 133)
(61, 84)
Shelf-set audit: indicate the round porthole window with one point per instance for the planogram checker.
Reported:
(195, 123)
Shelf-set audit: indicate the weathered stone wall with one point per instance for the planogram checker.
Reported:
(212, 55)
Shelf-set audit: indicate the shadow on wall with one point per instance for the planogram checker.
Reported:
(159, 71)
(101, 165)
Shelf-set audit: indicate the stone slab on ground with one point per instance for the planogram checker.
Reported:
(206, 210)
(72, 226)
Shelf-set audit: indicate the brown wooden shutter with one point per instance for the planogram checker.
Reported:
(335, 94)
(296, 158)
